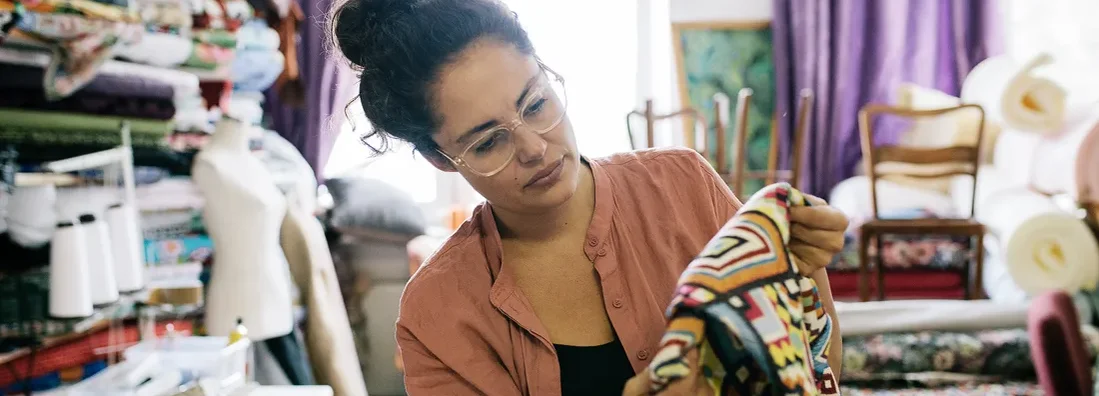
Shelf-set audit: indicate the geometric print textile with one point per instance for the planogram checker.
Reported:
(758, 323)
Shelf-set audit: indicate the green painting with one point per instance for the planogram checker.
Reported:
(725, 57)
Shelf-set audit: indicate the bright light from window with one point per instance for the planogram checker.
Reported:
(593, 44)
(399, 168)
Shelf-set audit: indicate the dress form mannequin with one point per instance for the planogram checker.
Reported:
(243, 213)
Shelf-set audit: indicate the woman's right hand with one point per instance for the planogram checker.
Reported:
(693, 385)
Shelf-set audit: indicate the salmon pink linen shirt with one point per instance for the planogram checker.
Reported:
(465, 327)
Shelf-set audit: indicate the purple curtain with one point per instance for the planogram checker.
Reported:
(313, 128)
(853, 52)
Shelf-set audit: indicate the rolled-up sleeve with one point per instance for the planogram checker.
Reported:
(424, 373)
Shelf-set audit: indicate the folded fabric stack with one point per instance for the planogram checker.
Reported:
(82, 34)
(44, 128)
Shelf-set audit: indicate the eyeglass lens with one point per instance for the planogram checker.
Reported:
(541, 112)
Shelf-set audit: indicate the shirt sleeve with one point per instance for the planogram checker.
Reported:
(725, 203)
(425, 374)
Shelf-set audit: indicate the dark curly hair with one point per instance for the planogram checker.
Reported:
(399, 47)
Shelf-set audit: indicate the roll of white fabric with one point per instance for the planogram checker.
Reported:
(1013, 96)
(1043, 247)
(897, 316)
(1014, 155)
(991, 180)
(1056, 159)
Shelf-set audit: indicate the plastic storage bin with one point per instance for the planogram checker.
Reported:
(209, 359)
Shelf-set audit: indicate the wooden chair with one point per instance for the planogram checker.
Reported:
(740, 174)
(772, 174)
(692, 118)
(921, 163)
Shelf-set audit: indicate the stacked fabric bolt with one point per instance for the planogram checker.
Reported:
(42, 127)
(81, 33)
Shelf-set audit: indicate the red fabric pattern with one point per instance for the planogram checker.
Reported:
(76, 352)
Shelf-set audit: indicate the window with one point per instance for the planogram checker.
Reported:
(1062, 28)
(593, 44)
(400, 168)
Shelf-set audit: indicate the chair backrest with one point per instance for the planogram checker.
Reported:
(693, 119)
(772, 173)
(740, 130)
(805, 112)
(917, 162)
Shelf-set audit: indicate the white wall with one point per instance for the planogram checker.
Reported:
(720, 10)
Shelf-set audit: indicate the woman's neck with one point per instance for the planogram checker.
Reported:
(568, 219)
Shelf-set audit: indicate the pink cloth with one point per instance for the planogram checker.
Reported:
(465, 328)
(1057, 346)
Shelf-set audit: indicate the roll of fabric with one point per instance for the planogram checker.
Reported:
(1087, 168)
(1044, 248)
(991, 181)
(1014, 97)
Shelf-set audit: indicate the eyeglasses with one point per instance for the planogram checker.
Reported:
(541, 112)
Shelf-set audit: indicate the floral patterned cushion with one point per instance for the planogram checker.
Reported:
(900, 252)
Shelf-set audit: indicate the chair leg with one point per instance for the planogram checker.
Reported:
(977, 291)
(879, 265)
(864, 264)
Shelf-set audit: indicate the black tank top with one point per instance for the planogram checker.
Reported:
(593, 370)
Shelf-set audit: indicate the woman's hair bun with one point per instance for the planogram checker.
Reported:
(354, 21)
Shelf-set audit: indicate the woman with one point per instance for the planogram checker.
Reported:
(558, 284)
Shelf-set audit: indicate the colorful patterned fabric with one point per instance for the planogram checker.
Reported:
(759, 324)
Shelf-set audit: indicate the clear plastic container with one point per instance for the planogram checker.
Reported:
(210, 359)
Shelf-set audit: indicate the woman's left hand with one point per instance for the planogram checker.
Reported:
(816, 234)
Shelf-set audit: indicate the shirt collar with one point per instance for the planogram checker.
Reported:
(595, 240)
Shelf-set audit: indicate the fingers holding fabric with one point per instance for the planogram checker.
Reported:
(819, 215)
(829, 240)
(809, 258)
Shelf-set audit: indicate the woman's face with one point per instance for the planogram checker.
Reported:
(478, 97)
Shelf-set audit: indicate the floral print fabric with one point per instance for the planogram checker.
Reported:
(991, 362)
(902, 252)
(905, 251)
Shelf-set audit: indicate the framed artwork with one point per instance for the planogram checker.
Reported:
(723, 57)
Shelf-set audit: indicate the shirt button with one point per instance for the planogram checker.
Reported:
(643, 354)
(592, 241)
(602, 252)
(617, 303)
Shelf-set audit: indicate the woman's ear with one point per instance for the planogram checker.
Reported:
(439, 161)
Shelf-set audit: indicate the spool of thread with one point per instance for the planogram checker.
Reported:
(70, 291)
(126, 246)
(101, 260)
